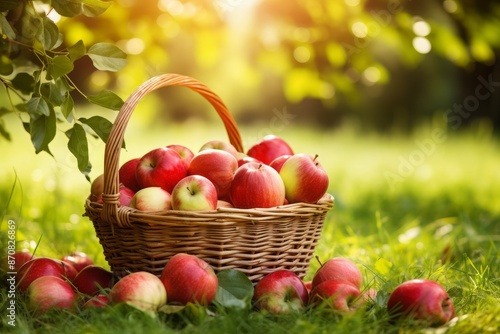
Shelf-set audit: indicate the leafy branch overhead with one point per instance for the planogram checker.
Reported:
(35, 65)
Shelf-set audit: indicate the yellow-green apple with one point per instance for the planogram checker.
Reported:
(269, 148)
(13, 262)
(216, 165)
(92, 280)
(126, 174)
(305, 178)
(151, 199)
(339, 295)
(162, 167)
(256, 185)
(281, 292)
(48, 292)
(100, 300)
(421, 299)
(338, 268)
(189, 279)
(43, 266)
(194, 193)
(279, 161)
(96, 188)
(78, 259)
(221, 145)
(185, 153)
(141, 290)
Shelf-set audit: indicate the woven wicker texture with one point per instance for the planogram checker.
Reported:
(254, 241)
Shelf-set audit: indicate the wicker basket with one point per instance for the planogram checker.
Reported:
(254, 241)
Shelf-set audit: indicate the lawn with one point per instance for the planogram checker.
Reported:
(417, 206)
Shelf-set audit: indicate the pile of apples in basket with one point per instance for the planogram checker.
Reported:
(173, 177)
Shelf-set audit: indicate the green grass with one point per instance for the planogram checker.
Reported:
(439, 219)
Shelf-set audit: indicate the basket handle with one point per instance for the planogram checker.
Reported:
(112, 149)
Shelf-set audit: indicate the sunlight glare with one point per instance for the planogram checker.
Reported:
(359, 29)
(422, 45)
(302, 54)
(371, 75)
(421, 28)
(135, 46)
(352, 3)
(450, 6)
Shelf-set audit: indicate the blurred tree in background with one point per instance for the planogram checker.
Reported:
(384, 65)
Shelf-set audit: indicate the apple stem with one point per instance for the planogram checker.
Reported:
(192, 193)
(319, 261)
(314, 159)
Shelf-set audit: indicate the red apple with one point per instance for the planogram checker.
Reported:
(243, 159)
(281, 292)
(421, 299)
(279, 161)
(185, 153)
(224, 204)
(216, 165)
(93, 279)
(162, 167)
(126, 174)
(308, 285)
(151, 199)
(256, 185)
(141, 290)
(338, 268)
(269, 148)
(221, 145)
(305, 178)
(43, 266)
(339, 295)
(12, 263)
(78, 259)
(189, 279)
(97, 187)
(194, 193)
(48, 292)
(97, 301)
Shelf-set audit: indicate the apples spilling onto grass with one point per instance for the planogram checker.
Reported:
(241, 180)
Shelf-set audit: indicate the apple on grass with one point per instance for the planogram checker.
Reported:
(99, 300)
(151, 199)
(78, 259)
(185, 153)
(421, 299)
(256, 185)
(338, 295)
(93, 279)
(194, 193)
(269, 148)
(126, 174)
(281, 292)
(17, 260)
(305, 178)
(43, 266)
(162, 167)
(141, 290)
(49, 292)
(338, 268)
(216, 165)
(220, 145)
(189, 279)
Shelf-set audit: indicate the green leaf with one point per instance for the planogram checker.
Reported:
(67, 106)
(24, 82)
(78, 146)
(77, 51)
(47, 33)
(6, 66)
(38, 106)
(59, 66)
(107, 57)
(5, 28)
(67, 8)
(95, 7)
(3, 131)
(235, 289)
(106, 99)
(43, 130)
(100, 125)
